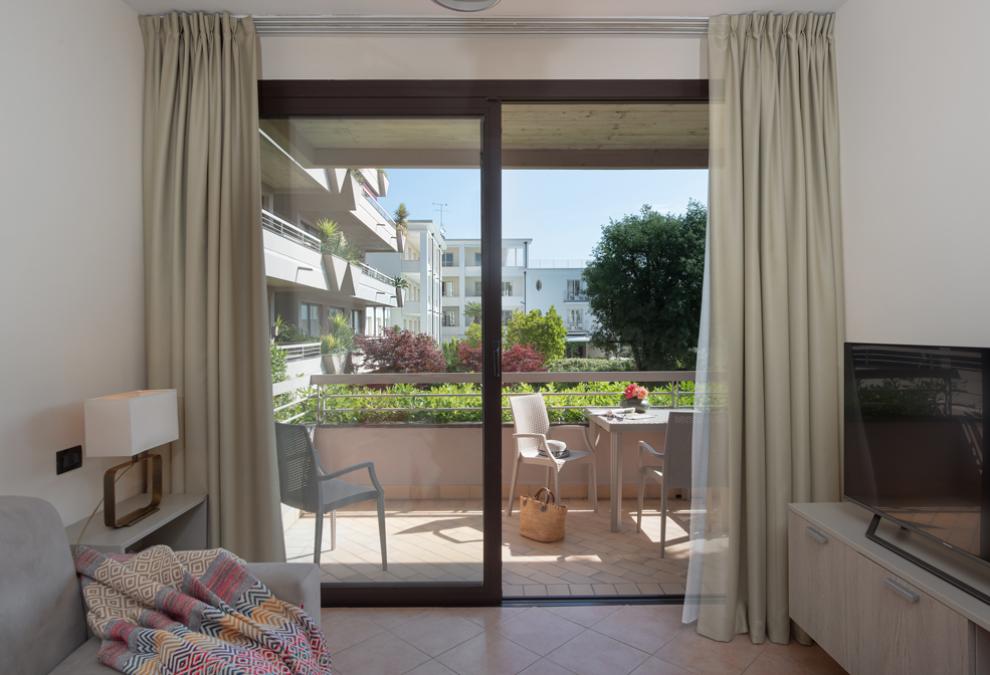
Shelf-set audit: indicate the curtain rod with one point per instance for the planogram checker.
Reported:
(495, 25)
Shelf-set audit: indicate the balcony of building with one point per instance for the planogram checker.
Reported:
(299, 182)
(294, 258)
(426, 446)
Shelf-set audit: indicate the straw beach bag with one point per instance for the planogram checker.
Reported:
(541, 517)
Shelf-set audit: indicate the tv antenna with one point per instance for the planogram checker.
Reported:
(440, 206)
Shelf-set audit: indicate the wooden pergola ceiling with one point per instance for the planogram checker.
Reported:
(534, 135)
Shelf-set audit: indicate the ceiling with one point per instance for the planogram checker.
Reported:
(534, 135)
(543, 8)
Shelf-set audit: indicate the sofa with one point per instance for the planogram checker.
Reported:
(42, 618)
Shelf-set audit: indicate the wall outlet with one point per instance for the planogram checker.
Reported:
(68, 459)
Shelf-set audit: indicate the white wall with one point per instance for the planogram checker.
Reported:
(914, 105)
(71, 258)
(488, 57)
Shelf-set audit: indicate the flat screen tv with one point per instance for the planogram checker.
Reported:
(916, 428)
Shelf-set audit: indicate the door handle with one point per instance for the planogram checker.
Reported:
(901, 589)
(816, 535)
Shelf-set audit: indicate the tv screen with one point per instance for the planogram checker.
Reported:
(915, 439)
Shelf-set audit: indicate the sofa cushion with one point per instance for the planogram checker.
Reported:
(295, 583)
(83, 661)
(41, 607)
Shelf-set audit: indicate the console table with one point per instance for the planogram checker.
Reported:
(179, 522)
(875, 612)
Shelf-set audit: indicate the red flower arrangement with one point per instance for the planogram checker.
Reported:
(635, 391)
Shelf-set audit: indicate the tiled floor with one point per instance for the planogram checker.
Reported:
(441, 540)
(587, 640)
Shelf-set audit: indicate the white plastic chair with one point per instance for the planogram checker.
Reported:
(532, 424)
(671, 466)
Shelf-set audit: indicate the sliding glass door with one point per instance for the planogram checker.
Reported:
(380, 348)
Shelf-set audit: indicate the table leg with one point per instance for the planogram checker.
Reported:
(615, 490)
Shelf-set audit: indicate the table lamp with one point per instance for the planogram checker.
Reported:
(129, 425)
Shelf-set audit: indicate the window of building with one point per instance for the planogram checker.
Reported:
(450, 319)
(506, 315)
(309, 319)
(575, 318)
(477, 259)
(577, 290)
(506, 288)
(448, 259)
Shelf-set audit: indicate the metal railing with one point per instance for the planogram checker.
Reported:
(325, 398)
(576, 297)
(284, 228)
(375, 274)
(301, 350)
(375, 204)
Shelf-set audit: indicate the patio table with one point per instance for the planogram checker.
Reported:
(653, 420)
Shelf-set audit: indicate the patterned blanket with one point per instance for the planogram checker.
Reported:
(165, 611)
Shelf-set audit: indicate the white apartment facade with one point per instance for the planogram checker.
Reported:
(419, 265)
(564, 289)
(461, 281)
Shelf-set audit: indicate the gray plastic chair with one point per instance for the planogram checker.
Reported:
(305, 485)
(671, 467)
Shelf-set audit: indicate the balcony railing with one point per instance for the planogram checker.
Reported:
(577, 297)
(373, 200)
(273, 223)
(375, 274)
(302, 350)
(452, 398)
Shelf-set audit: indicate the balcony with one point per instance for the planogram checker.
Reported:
(317, 192)
(293, 257)
(425, 439)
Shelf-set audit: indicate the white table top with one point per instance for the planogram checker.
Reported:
(99, 535)
(625, 420)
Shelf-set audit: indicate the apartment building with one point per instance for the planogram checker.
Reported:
(306, 283)
(419, 265)
(564, 289)
(461, 273)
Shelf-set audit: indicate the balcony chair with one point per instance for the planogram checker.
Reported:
(532, 425)
(306, 486)
(671, 467)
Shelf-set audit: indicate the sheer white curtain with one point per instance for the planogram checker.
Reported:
(770, 347)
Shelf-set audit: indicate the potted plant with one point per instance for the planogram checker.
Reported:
(636, 396)
(336, 346)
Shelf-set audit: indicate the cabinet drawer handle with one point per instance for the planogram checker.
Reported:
(816, 535)
(898, 587)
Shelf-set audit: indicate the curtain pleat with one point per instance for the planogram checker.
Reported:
(206, 303)
(770, 348)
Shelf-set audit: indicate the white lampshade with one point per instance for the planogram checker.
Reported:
(122, 425)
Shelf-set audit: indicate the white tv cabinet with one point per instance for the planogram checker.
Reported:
(875, 612)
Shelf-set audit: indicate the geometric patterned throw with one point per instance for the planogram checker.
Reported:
(165, 611)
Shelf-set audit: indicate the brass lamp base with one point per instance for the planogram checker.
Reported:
(148, 462)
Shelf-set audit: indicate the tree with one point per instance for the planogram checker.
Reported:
(644, 286)
(472, 310)
(544, 333)
(402, 351)
(401, 219)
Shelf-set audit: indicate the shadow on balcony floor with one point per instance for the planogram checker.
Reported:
(441, 540)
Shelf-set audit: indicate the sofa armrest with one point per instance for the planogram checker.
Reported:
(298, 583)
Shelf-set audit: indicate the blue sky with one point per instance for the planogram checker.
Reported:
(561, 211)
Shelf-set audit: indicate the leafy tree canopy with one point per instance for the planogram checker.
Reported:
(644, 286)
(543, 332)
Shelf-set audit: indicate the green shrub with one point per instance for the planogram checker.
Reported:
(584, 365)
(280, 368)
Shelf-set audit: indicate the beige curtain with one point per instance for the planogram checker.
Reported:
(205, 286)
(770, 350)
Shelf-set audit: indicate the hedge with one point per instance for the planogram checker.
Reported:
(459, 403)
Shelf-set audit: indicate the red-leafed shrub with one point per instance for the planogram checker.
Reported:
(402, 351)
(516, 359)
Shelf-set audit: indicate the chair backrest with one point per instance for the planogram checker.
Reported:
(529, 415)
(298, 469)
(677, 450)
(41, 606)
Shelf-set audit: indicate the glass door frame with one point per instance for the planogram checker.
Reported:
(480, 99)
